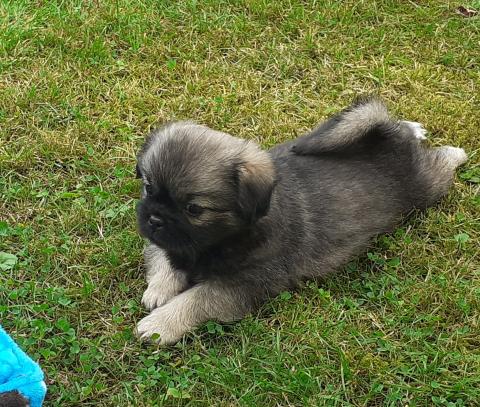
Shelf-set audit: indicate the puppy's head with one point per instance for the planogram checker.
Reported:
(200, 186)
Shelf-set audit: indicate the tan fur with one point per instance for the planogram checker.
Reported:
(163, 282)
(191, 308)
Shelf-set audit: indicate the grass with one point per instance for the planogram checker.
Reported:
(82, 82)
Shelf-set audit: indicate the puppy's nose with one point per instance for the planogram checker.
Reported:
(156, 221)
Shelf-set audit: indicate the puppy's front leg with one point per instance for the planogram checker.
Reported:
(164, 282)
(199, 304)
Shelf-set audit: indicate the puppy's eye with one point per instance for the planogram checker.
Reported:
(148, 189)
(193, 210)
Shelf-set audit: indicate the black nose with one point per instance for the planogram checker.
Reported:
(156, 221)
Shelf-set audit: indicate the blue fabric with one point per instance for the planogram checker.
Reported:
(19, 372)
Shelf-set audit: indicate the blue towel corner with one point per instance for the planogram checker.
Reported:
(19, 372)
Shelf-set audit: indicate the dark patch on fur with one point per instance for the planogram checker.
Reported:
(13, 399)
(138, 173)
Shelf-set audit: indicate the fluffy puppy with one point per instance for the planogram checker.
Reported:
(231, 225)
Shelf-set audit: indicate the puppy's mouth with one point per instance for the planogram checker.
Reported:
(180, 248)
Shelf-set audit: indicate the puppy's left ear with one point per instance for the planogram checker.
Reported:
(256, 181)
(138, 172)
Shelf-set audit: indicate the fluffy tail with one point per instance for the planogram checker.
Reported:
(345, 128)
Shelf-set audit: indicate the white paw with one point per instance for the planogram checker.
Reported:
(154, 297)
(455, 155)
(417, 128)
(161, 326)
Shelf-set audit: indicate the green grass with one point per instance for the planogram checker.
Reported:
(82, 82)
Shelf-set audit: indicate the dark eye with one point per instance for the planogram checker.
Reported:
(193, 210)
(148, 189)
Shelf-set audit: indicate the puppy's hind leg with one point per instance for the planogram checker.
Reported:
(453, 156)
(346, 128)
(437, 170)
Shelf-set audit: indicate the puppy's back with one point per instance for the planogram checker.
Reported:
(360, 188)
(364, 137)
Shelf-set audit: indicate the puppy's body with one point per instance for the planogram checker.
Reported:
(300, 211)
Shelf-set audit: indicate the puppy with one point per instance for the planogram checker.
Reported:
(230, 225)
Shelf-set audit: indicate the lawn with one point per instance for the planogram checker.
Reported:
(82, 83)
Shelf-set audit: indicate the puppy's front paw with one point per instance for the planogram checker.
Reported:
(161, 326)
(163, 287)
(154, 297)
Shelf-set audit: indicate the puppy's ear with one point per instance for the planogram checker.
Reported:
(256, 180)
(138, 172)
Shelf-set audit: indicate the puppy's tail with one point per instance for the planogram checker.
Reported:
(346, 127)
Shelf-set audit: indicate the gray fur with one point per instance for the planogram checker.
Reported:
(345, 128)
(271, 220)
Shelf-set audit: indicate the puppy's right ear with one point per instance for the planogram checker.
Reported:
(138, 172)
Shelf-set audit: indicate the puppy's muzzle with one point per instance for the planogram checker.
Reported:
(156, 221)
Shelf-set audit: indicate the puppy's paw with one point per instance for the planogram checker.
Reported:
(161, 326)
(162, 288)
(154, 297)
(454, 155)
(418, 130)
